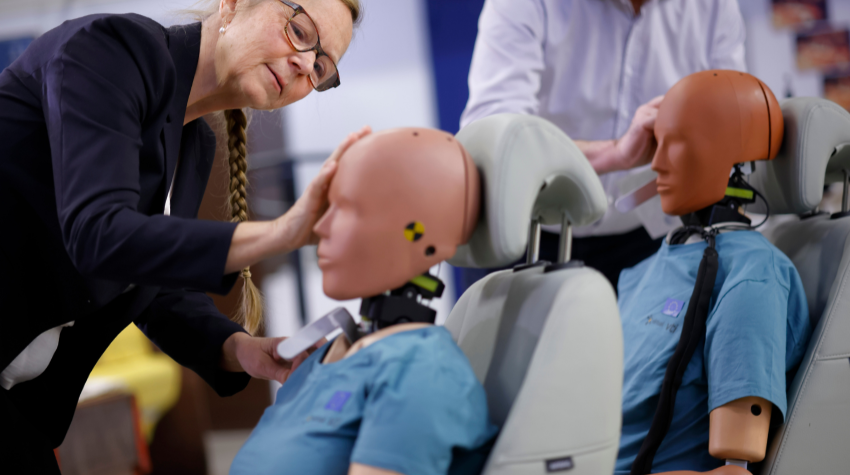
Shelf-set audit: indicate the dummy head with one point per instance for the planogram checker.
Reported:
(401, 202)
(706, 123)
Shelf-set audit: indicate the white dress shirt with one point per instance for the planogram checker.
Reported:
(587, 65)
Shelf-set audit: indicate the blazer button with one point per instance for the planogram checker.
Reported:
(168, 119)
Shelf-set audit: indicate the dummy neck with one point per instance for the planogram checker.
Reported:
(739, 193)
(402, 305)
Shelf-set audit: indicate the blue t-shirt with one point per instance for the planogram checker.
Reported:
(409, 403)
(756, 332)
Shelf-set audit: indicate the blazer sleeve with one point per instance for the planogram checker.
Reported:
(112, 76)
(186, 325)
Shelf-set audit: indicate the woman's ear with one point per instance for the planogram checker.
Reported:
(227, 8)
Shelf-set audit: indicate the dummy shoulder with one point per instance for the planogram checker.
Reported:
(426, 350)
(748, 255)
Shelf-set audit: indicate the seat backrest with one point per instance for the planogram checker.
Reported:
(546, 342)
(815, 435)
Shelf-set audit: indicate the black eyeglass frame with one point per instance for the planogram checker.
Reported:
(317, 48)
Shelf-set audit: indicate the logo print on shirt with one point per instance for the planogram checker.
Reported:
(672, 307)
(338, 400)
(670, 327)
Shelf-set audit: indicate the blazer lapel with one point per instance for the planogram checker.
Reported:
(171, 145)
(184, 44)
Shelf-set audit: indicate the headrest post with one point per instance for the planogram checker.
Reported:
(565, 246)
(844, 196)
(533, 242)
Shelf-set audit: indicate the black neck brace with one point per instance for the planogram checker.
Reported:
(402, 305)
(738, 194)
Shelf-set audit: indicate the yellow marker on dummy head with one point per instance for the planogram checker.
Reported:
(414, 231)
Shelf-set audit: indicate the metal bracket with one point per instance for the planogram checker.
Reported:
(533, 242)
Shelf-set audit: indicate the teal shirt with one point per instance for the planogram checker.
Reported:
(757, 331)
(409, 403)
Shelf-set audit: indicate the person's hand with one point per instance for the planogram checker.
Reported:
(296, 226)
(258, 357)
(637, 146)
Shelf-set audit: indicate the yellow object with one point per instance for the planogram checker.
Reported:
(414, 231)
(426, 283)
(152, 377)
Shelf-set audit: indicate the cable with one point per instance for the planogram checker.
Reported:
(766, 209)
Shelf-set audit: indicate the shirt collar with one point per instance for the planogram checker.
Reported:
(184, 44)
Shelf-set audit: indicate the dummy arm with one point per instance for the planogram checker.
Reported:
(360, 469)
(738, 431)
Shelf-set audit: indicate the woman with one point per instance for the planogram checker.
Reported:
(103, 169)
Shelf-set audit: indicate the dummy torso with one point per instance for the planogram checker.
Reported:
(404, 398)
(409, 403)
(757, 331)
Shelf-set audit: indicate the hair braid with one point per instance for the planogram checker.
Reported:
(250, 313)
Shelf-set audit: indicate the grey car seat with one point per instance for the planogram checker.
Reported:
(816, 150)
(545, 341)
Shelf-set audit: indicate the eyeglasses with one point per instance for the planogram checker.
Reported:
(303, 36)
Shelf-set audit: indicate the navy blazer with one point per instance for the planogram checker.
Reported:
(91, 128)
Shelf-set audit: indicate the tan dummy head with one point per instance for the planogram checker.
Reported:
(401, 201)
(706, 123)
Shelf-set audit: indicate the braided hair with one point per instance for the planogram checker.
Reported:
(250, 311)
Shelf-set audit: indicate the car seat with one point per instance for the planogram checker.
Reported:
(544, 339)
(815, 151)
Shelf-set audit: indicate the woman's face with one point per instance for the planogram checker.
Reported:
(254, 58)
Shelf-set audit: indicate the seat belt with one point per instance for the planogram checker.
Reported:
(693, 332)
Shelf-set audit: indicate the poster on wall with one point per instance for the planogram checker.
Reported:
(12, 48)
(836, 88)
(795, 13)
(823, 48)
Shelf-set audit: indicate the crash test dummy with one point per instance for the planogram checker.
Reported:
(716, 320)
(398, 396)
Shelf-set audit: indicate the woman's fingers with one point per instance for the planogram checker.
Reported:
(319, 186)
(296, 226)
(348, 142)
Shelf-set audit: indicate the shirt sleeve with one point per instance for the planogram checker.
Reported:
(186, 325)
(419, 410)
(507, 62)
(727, 40)
(745, 344)
(110, 77)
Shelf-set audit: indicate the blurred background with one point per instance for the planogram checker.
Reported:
(407, 66)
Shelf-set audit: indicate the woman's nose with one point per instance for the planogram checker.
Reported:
(303, 63)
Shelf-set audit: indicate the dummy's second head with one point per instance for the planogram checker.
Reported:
(706, 123)
(401, 202)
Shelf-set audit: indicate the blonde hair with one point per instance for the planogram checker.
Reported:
(205, 8)
(250, 311)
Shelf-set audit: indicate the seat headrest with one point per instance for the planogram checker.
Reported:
(814, 151)
(528, 168)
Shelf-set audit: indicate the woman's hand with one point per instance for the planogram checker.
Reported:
(296, 226)
(258, 357)
(254, 241)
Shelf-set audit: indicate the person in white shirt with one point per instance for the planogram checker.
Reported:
(596, 69)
